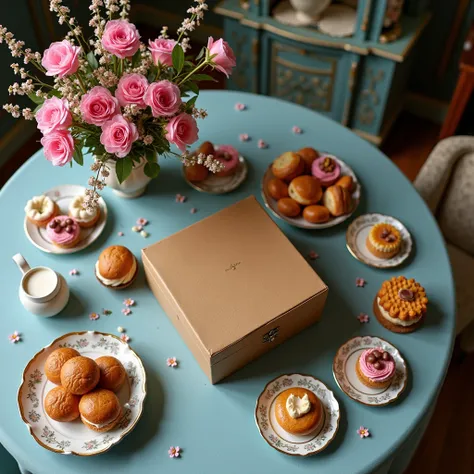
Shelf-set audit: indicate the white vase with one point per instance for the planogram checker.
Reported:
(307, 11)
(134, 186)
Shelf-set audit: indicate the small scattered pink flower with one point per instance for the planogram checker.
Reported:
(243, 137)
(15, 337)
(360, 282)
(126, 311)
(120, 234)
(261, 144)
(180, 198)
(73, 272)
(239, 106)
(106, 312)
(313, 255)
(363, 318)
(297, 130)
(124, 337)
(174, 452)
(128, 302)
(94, 316)
(141, 221)
(193, 210)
(363, 432)
(171, 362)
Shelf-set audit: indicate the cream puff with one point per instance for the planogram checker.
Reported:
(228, 157)
(80, 375)
(100, 410)
(338, 200)
(299, 411)
(326, 169)
(316, 214)
(384, 240)
(55, 362)
(112, 373)
(116, 268)
(277, 188)
(63, 231)
(308, 155)
(85, 218)
(40, 210)
(287, 166)
(305, 190)
(288, 207)
(61, 405)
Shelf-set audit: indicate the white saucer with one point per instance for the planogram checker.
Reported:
(344, 371)
(63, 195)
(285, 442)
(356, 237)
(338, 21)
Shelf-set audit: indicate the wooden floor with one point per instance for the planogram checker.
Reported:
(448, 445)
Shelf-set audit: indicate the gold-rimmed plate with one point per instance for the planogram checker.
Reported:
(344, 371)
(299, 221)
(74, 437)
(283, 441)
(358, 231)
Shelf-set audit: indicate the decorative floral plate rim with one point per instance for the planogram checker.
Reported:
(387, 396)
(100, 442)
(229, 183)
(271, 204)
(364, 221)
(66, 192)
(331, 409)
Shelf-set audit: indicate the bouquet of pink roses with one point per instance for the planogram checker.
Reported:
(112, 95)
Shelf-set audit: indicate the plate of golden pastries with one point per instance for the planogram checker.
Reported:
(83, 393)
(232, 175)
(310, 189)
(378, 240)
(297, 414)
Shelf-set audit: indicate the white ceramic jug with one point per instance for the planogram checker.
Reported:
(308, 11)
(42, 291)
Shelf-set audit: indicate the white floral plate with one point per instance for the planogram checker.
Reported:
(74, 437)
(271, 203)
(221, 184)
(278, 438)
(344, 370)
(63, 195)
(358, 231)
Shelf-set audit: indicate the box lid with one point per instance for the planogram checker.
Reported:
(232, 273)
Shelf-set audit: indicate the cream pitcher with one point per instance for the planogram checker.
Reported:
(43, 291)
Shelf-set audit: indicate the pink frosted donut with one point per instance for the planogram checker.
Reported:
(63, 231)
(229, 157)
(383, 373)
(326, 169)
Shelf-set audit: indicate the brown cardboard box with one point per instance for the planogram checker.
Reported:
(233, 286)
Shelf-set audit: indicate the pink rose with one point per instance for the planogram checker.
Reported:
(118, 136)
(121, 38)
(164, 98)
(224, 58)
(182, 130)
(161, 50)
(58, 147)
(131, 89)
(61, 59)
(53, 115)
(98, 106)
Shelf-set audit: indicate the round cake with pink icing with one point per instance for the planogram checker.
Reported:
(326, 169)
(63, 231)
(229, 157)
(376, 368)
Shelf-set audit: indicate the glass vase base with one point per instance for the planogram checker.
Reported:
(130, 195)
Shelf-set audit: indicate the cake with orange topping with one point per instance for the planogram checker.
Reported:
(401, 304)
(384, 240)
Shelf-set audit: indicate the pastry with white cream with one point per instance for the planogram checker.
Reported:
(85, 217)
(116, 267)
(40, 210)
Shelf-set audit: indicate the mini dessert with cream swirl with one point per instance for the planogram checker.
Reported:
(326, 169)
(376, 368)
(384, 240)
(40, 210)
(63, 231)
(86, 218)
(116, 267)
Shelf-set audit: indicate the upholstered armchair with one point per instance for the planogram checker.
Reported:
(446, 183)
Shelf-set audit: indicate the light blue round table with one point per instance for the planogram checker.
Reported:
(215, 425)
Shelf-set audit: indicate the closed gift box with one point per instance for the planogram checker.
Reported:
(234, 287)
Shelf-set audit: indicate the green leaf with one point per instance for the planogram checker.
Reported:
(152, 170)
(192, 86)
(201, 53)
(35, 98)
(123, 168)
(136, 58)
(203, 77)
(78, 156)
(55, 93)
(37, 108)
(190, 103)
(150, 155)
(92, 60)
(178, 58)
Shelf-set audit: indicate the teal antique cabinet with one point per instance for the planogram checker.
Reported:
(358, 80)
